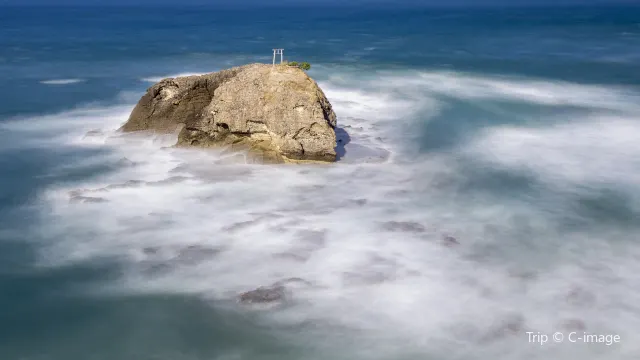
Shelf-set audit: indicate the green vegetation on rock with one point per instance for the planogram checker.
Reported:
(303, 65)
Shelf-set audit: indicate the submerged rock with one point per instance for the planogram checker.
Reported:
(94, 133)
(275, 293)
(450, 241)
(277, 113)
(126, 185)
(78, 199)
(263, 295)
(403, 226)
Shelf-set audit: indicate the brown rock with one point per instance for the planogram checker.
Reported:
(279, 114)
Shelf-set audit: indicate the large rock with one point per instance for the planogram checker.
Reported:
(278, 113)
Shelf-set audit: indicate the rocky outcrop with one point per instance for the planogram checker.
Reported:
(263, 294)
(279, 114)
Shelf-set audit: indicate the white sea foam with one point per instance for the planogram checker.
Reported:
(64, 128)
(368, 238)
(598, 149)
(62, 81)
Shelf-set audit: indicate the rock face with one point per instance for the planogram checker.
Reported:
(277, 113)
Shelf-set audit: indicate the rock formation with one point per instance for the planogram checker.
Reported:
(277, 113)
(263, 294)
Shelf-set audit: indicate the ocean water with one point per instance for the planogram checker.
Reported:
(514, 131)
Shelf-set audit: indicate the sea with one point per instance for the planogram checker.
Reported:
(485, 205)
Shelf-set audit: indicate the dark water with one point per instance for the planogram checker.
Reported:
(513, 130)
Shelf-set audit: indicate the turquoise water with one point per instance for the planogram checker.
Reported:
(513, 130)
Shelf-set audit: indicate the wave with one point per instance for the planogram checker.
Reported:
(63, 129)
(62, 81)
(504, 88)
(594, 150)
(397, 257)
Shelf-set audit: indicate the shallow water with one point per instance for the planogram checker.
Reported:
(119, 246)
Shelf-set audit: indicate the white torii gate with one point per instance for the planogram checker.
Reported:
(278, 52)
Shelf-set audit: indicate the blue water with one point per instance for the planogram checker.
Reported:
(513, 130)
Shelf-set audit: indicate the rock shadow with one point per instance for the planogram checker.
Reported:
(342, 139)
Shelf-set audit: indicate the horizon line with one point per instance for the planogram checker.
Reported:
(361, 6)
